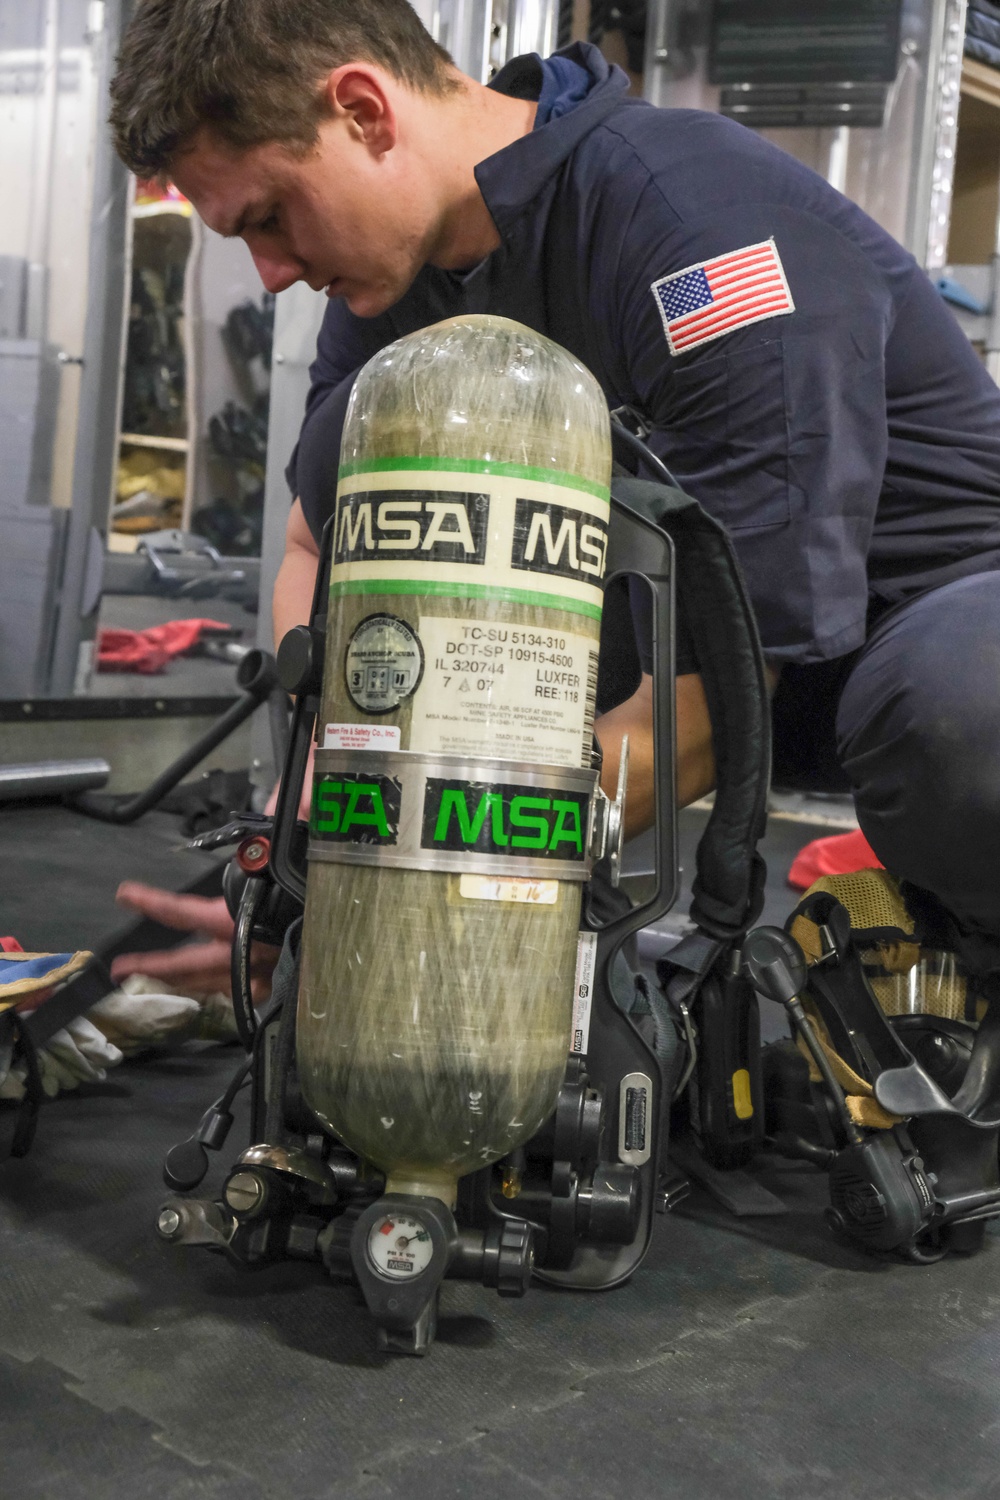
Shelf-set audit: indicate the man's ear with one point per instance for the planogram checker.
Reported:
(357, 94)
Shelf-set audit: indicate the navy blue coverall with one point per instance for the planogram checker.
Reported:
(803, 380)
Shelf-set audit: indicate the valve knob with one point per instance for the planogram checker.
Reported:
(509, 1258)
(253, 854)
(300, 660)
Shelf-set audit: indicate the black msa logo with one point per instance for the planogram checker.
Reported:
(557, 539)
(425, 525)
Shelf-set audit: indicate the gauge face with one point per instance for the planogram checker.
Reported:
(400, 1246)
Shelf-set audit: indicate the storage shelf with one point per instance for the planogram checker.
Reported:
(981, 82)
(146, 440)
(160, 210)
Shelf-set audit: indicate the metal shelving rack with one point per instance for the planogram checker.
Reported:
(978, 278)
(154, 225)
(902, 174)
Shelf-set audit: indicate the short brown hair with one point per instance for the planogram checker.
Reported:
(252, 70)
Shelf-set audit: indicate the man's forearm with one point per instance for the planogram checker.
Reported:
(695, 754)
(293, 591)
(695, 759)
(291, 601)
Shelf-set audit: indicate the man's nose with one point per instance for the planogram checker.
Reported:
(276, 271)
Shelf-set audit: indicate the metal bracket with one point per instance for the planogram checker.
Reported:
(607, 831)
(190, 549)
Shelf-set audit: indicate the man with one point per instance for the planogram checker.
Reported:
(796, 368)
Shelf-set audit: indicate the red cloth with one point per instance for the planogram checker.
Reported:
(841, 854)
(149, 650)
(10, 945)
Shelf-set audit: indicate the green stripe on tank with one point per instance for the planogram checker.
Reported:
(463, 591)
(478, 466)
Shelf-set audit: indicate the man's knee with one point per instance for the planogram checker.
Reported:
(921, 710)
(918, 731)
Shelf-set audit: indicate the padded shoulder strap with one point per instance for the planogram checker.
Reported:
(713, 603)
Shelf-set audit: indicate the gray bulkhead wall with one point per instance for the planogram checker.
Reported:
(78, 587)
(61, 325)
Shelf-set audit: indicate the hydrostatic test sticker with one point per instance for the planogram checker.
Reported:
(494, 888)
(383, 663)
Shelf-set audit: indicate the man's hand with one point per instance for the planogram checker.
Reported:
(203, 968)
(192, 968)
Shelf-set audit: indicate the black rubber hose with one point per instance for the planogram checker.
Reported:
(622, 438)
(288, 871)
(254, 895)
(819, 1057)
(275, 1129)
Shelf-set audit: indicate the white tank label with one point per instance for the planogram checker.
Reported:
(504, 690)
(361, 737)
(472, 534)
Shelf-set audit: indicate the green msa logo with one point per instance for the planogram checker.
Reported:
(526, 822)
(355, 809)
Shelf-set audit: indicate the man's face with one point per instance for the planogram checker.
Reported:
(343, 218)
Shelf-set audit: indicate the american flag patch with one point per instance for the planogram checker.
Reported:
(718, 296)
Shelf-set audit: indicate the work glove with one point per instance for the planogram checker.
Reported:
(146, 1012)
(79, 1053)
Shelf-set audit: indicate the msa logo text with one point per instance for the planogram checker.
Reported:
(355, 809)
(518, 821)
(557, 539)
(422, 525)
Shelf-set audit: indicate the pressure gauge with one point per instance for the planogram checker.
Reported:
(400, 1246)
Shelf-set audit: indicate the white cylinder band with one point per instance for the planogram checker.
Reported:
(453, 814)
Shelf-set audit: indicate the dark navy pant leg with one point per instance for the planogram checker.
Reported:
(918, 732)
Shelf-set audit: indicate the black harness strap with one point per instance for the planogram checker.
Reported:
(728, 889)
(72, 999)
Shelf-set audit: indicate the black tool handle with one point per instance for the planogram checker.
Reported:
(257, 678)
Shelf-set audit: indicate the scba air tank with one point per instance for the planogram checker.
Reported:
(452, 790)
